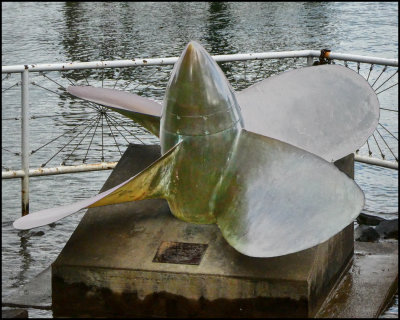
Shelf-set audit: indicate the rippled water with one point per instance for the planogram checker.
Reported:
(66, 31)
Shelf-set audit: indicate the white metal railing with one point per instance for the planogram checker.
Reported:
(25, 70)
(172, 60)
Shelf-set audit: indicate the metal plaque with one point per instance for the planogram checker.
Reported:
(180, 252)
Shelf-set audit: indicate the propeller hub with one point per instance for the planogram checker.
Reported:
(199, 99)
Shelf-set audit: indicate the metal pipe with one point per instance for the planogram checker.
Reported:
(365, 59)
(172, 60)
(264, 55)
(148, 62)
(89, 65)
(12, 174)
(377, 162)
(25, 140)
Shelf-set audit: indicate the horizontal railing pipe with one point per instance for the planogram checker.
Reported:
(148, 62)
(264, 55)
(377, 162)
(12, 174)
(364, 59)
(172, 60)
(88, 65)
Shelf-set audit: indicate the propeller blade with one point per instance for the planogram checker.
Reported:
(149, 183)
(275, 199)
(328, 110)
(142, 110)
(117, 99)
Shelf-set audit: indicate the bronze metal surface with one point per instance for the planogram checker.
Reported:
(268, 197)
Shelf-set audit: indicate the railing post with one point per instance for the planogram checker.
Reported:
(25, 140)
(310, 61)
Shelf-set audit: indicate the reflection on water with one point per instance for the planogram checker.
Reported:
(219, 23)
(27, 259)
(84, 31)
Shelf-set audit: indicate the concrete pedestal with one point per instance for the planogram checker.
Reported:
(136, 259)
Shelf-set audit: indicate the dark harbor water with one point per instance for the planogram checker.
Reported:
(83, 31)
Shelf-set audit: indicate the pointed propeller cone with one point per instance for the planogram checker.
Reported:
(197, 85)
(199, 100)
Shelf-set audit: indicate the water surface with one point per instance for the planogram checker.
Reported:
(83, 31)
